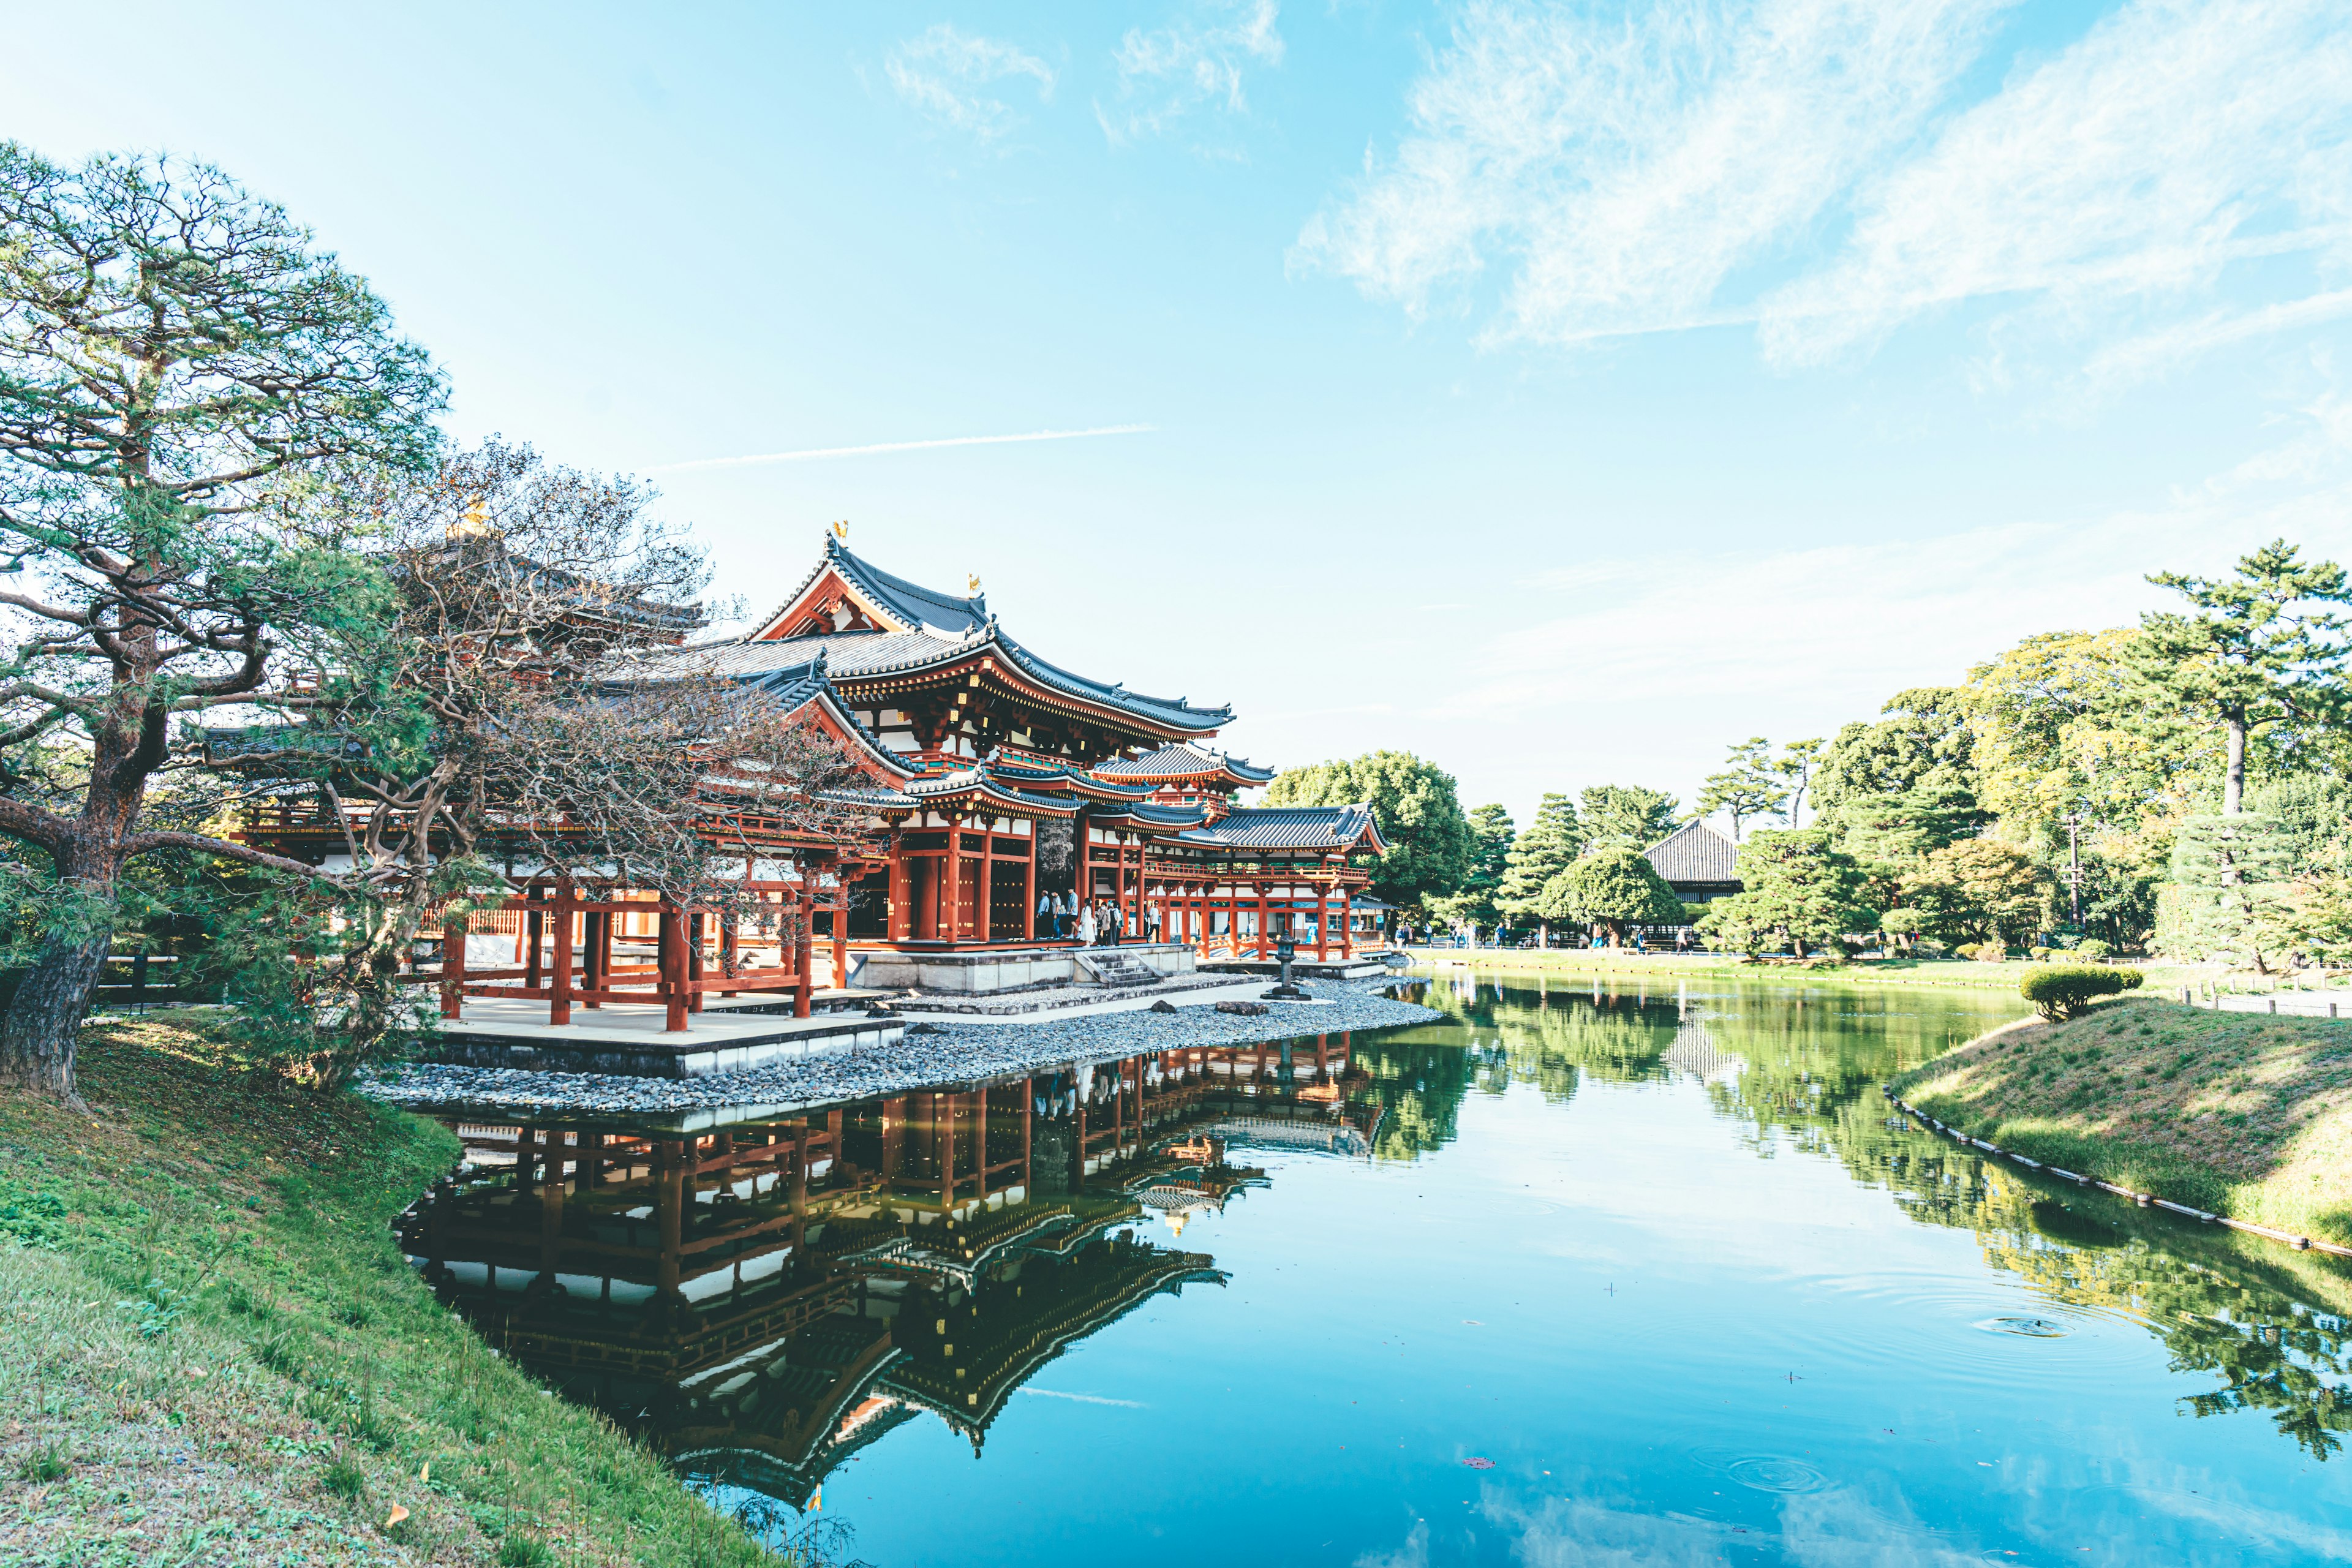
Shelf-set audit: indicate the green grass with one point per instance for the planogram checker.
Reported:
(212, 1351)
(2241, 1113)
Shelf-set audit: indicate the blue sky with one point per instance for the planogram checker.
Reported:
(1561, 392)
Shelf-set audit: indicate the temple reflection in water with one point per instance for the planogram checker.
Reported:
(761, 1298)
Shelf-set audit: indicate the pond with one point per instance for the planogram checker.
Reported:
(1575, 1275)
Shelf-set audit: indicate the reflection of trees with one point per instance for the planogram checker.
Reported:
(1420, 1088)
(1809, 1067)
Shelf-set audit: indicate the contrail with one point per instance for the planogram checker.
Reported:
(802, 457)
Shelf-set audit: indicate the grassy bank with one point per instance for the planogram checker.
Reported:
(2241, 1113)
(211, 1351)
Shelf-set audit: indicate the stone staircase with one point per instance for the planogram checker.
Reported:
(1114, 970)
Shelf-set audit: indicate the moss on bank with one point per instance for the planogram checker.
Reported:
(212, 1351)
(2246, 1114)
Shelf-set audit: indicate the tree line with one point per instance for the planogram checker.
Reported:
(2180, 787)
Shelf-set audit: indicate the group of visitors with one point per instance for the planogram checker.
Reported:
(1096, 924)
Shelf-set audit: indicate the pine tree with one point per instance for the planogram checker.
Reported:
(2231, 896)
(1546, 849)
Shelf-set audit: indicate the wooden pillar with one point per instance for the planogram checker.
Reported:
(1347, 921)
(596, 962)
(902, 909)
(950, 923)
(728, 957)
(534, 927)
(551, 1207)
(453, 967)
(803, 948)
(1029, 887)
(1028, 1130)
(693, 960)
(841, 929)
(983, 924)
(669, 966)
(559, 999)
(1263, 914)
(1322, 921)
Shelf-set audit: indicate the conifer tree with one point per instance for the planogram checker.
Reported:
(1547, 848)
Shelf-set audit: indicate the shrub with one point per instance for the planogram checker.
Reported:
(2093, 947)
(2065, 990)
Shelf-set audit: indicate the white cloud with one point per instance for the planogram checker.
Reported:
(1835, 629)
(2176, 179)
(1166, 72)
(2174, 138)
(1631, 162)
(945, 74)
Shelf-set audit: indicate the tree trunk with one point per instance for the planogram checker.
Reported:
(2233, 778)
(43, 1024)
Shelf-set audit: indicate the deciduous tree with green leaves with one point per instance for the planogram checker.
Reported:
(2263, 651)
(1415, 802)
(178, 364)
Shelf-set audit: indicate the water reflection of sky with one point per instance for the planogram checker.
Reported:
(1626, 1282)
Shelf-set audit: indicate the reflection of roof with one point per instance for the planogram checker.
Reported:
(1184, 761)
(1289, 827)
(1694, 853)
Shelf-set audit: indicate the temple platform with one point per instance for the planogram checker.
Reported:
(993, 971)
(1363, 966)
(730, 1034)
(1035, 1005)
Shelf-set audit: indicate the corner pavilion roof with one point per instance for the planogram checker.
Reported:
(1290, 827)
(1185, 761)
(1694, 853)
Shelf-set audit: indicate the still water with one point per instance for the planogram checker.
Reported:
(1574, 1277)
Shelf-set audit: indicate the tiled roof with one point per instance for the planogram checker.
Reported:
(1286, 828)
(1694, 853)
(910, 603)
(1182, 761)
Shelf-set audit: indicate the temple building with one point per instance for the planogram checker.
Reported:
(999, 793)
(1698, 863)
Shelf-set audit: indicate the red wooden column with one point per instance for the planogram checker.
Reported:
(453, 967)
(1347, 923)
(596, 962)
(950, 923)
(1028, 1113)
(902, 909)
(1322, 921)
(669, 967)
(804, 949)
(1029, 887)
(694, 960)
(1263, 916)
(841, 929)
(558, 997)
(983, 924)
(534, 925)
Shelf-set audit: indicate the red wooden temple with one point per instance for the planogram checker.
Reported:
(995, 781)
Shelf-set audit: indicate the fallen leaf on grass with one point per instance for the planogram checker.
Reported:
(395, 1516)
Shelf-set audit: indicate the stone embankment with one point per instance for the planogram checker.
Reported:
(931, 1055)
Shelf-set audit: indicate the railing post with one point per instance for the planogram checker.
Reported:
(669, 967)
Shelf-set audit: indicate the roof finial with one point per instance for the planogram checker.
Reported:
(841, 530)
(972, 583)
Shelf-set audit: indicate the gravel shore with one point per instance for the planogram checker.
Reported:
(940, 1054)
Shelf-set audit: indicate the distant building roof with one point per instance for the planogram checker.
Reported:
(1182, 762)
(1694, 853)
